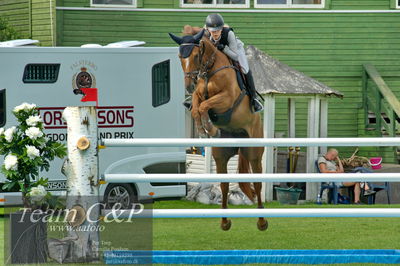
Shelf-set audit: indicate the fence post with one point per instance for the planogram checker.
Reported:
(364, 85)
(312, 152)
(81, 169)
(378, 112)
(269, 132)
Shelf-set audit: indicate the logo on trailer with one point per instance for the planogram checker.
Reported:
(83, 79)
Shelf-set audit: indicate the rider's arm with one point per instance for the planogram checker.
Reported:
(231, 50)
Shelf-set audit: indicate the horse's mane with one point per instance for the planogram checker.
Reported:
(190, 30)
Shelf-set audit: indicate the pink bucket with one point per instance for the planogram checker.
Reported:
(376, 162)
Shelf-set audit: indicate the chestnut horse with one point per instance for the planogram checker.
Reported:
(211, 78)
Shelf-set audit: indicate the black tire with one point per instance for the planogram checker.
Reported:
(120, 193)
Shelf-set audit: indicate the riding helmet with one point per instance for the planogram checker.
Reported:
(214, 22)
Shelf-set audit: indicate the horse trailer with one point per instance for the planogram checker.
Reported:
(140, 93)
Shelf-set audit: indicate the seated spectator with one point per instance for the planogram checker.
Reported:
(330, 163)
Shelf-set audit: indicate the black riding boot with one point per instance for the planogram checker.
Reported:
(255, 102)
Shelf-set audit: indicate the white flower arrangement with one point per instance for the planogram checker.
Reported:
(28, 151)
(32, 152)
(33, 133)
(24, 107)
(37, 193)
(11, 162)
(33, 120)
(9, 134)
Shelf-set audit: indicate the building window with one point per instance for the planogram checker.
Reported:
(114, 3)
(2, 107)
(289, 3)
(161, 88)
(41, 73)
(398, 4)
(216, 3)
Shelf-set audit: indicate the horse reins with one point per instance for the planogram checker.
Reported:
(204, 68)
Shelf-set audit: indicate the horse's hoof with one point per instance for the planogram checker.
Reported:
(262, 226)
(226, 226)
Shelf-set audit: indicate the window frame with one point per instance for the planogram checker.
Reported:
(3, 91)
(397, 4)
(134, 4)
(289, 4)
(41, 82)
(245, 5)
(153, 84)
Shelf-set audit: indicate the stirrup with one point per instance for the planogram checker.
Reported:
(188, 103)
(257, 106)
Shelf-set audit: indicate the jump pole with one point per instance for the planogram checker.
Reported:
(331, 177)
(250, 142)
(268, 213)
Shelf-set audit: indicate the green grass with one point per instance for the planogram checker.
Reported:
(283, 233)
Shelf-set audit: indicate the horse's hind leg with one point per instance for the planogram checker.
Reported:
(222, 156)
(254, 156)
(225, 222)
(262, 224)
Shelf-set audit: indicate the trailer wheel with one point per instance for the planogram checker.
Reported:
(120, 193)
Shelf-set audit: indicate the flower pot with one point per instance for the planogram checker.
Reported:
(288, 195)
(28, 238)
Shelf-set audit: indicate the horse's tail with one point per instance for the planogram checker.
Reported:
(244, 167)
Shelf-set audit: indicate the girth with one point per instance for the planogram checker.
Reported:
(224, 118)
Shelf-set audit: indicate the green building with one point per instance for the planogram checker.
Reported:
(328, 40)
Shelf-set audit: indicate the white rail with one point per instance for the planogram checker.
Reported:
(272, 213)
(331, 177)
(249, 142)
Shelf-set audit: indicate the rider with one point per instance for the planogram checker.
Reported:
(225, 40)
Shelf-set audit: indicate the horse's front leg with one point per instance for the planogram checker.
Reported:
(214, 102)
(196, 115)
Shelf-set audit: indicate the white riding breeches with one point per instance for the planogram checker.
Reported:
(242, 57)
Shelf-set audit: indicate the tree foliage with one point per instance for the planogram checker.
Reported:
(7, 32)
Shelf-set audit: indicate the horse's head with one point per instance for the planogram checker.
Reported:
(190, 53)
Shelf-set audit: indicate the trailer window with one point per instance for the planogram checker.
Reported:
(2, 107)
(41, 73)
(166, 168)
(161, 88)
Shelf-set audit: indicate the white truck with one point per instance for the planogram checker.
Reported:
(140, 92)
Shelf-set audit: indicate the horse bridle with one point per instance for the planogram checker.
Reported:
(203, 71)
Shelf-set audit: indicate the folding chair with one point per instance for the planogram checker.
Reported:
(385, 187)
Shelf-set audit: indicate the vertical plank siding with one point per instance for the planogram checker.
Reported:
(43, 21)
